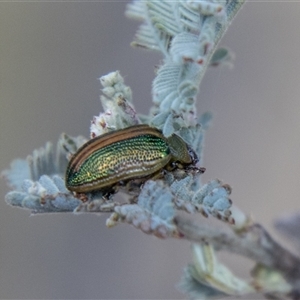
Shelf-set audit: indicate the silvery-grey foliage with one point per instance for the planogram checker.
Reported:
(186, 32)
(222, 56)
(206, 277)
(276, 273)
(38, 181)
(197, 289)
(211, 199)
(117, 104)
(154, 212)
(44, 190)
(48, 194)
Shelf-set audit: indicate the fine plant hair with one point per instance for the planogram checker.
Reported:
(186, 33)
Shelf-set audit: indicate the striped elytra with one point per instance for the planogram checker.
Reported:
(135, 152)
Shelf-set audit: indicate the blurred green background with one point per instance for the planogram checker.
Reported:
(51, 54)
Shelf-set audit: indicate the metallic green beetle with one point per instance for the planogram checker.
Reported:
(118, 157)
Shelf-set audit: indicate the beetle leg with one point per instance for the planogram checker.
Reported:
(108, 194)
(134, 186)
(195, 169)
(171, 166)
(158, 175)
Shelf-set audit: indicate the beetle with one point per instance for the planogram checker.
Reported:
(136, 153)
